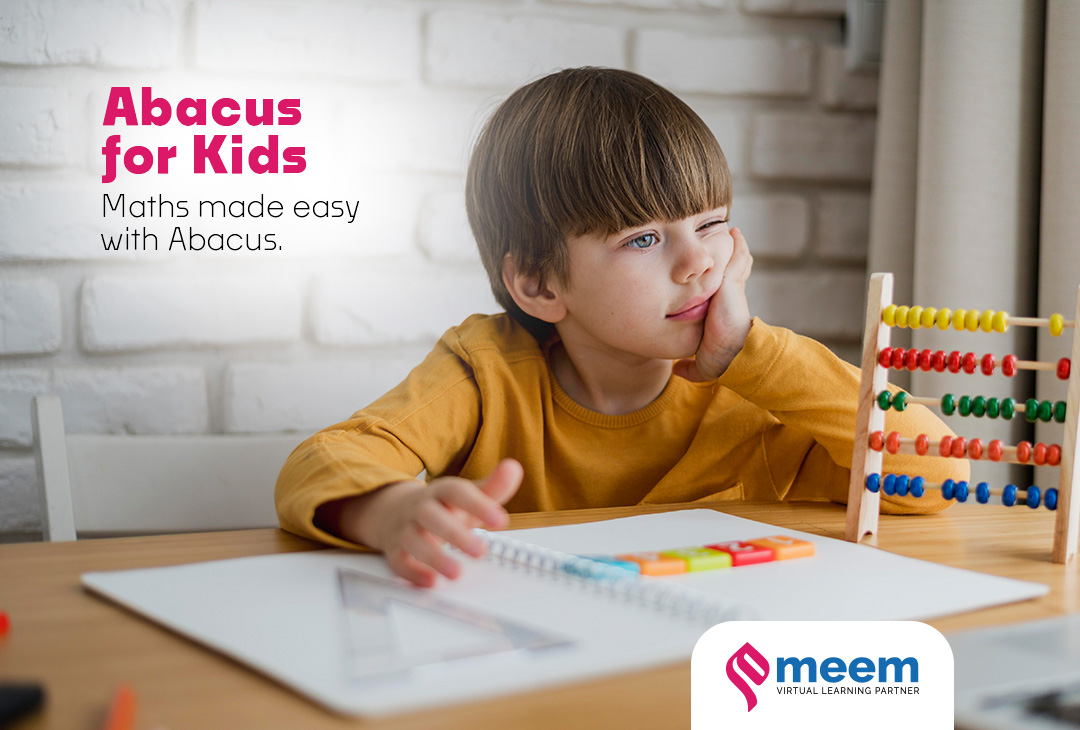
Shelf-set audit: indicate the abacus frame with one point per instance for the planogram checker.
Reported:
(864, 506)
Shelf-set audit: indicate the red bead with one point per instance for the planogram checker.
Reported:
(898, 357)
(988, 364)
(892, 442)
(922, 444)
(994, 450)
(912, 359)
(5, 624)
(959, 447)
(1008, 366)
(885, 357)
(1053, 455)
(926, 360)
(1063, 368)
(945, 447)
(877, 441)
(1023, 452)
(970, 363)
(975, 449)
(939, 361)
(1039, 454)
(953, 362)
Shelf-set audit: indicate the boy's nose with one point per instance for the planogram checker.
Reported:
(694, 260)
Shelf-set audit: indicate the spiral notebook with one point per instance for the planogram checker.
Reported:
(337, 626)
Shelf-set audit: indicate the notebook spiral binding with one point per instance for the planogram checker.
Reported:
(672, 599)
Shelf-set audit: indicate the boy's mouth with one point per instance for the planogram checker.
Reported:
(693, 310)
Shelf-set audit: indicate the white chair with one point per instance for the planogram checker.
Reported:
(124, 485)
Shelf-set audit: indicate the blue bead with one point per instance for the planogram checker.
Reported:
(1033, 495)
(1051, 499)
(889, 485)
(901, 487)
(917, 487)
(873, 482)
(982, 492)
(961, 491)
(947, 488)
(1008, 496)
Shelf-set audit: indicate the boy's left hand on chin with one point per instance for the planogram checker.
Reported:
(727, 323)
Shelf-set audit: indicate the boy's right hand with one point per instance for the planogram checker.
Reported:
(410, 521)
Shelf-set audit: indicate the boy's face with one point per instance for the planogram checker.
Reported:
(644, 291)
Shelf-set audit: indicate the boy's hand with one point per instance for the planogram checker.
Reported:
(412, 525)
(727, 323)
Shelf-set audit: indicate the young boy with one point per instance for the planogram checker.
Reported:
(627, 369)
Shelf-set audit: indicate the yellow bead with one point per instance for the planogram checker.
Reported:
(914, 317)
(958, 319)
(971, 320)
(888, 315)
(986, 320)
(1057, 324)
(1001, 322)
(928, 315)
(901, 315)
(944, 318)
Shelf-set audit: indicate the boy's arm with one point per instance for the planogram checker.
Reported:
(811, 391)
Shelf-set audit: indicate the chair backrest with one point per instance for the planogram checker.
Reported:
(117, 485)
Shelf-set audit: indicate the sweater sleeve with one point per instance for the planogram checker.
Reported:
(428, 422)
(812, 393)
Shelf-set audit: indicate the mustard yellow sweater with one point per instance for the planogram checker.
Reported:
(778, 425)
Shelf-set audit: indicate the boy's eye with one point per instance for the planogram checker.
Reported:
(645, 240)
(710, 224)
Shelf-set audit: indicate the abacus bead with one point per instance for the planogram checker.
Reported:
(1031, 410)
(970, 362)
(986, 320)
(885, 357)
(954, 361)
(1033, 497)
(1008, 495)
(1053, 455)
(877, 441)
(959, 447)
(899, 401)
(892, 442)
(1008, 408)
(945, 446)
(922, 444)
(898, 357)
(994, 450)
(939, 361)
(975, 449)
(944, 318)
(948, 488)
(1008, 366)
(889, 484)
(926, 360)
(1001, 322)
(1046, 411)
(971, 320)
(929, 315)
(982, 492)
(1038, 454)
(958, 319)
(884, 400)
(987, 363)
(1064, 366)
(961, 491)
(1023, 452)
(914, 317)
(918, 487)
(978, 406)
(965, 405)
(993, 407)
(888, 315)
(948, 404)
(901, 485)
(901, 316)
(1057, 324)
(873, 482)
(911, 359)
(1051, 499)
(1059, 411)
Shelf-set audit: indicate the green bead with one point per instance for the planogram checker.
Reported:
(899, 401)
(948, 404)
(884, 400)
(1031, 410)
(1046, 411)
(978, 406)
(1059, 411)
(965, 405)
(1008, 408)
(993, 408)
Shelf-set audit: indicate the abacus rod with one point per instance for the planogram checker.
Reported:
(925, 401)
(1035, 365)
(1036, 322)
(993, 490)
(1008, 454)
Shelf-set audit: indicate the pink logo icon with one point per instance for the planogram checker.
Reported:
(756, 674)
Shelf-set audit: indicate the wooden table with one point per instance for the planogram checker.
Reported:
(81, 647)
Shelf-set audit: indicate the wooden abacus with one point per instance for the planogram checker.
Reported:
(871, 439)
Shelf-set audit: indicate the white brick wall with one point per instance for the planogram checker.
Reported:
(393, 94)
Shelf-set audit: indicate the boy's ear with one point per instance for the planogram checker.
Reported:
(532, 297)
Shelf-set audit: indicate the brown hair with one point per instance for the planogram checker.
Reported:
(584, 150)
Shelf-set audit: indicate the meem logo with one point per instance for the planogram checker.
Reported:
(757, 672)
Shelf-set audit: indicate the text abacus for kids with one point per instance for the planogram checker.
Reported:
(872, 438)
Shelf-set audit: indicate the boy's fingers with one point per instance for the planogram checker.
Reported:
(410, 569)
(503, 480)
(442, 523)
(688, 370)
(738, 267)
(420, 544)
(471, 504)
